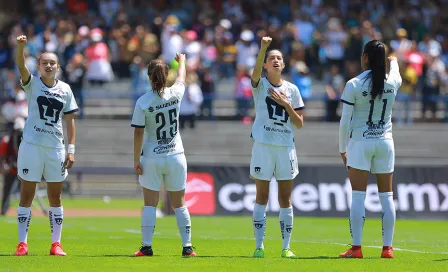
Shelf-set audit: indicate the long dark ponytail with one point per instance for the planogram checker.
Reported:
(376, 55)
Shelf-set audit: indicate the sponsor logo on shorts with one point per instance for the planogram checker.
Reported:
(25, 171)
(200, 193)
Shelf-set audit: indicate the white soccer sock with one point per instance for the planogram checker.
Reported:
(357, 216)
(148, 224)
(56, 216)
(23, 222)
(184, 224)
(286, 217)
(259, 223)
(387, 217)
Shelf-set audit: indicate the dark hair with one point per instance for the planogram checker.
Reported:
(158, 73)
(269, 51)
(376, 55)
(40, 57)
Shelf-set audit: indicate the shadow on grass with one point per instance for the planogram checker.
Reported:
(441, 260)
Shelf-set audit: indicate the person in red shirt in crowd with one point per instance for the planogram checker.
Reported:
(9, 146)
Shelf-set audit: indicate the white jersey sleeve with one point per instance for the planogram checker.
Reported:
(394, 75)
(138, 118)
(27, 87)
(297, 101)
(178, 89)
(348, 95)
(70, 105)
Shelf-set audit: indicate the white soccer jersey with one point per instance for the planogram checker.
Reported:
(272, 124)
(159, 116)
(371, 119)
(46, 107)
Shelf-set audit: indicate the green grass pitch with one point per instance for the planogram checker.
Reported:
(223, 244)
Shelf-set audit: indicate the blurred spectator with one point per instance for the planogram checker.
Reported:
(401, 46)
(5, 54)
(334, 41)
(190, 102)
(74, 74)
(208, 90)
(247, 50)
(243, 94)
(192, 49)
(139, 77)
(334, 85)
(406, 93)
(9, 148)
(227, 55)
(98, 57)
(171, 41)
(433, 72)
(300, 77)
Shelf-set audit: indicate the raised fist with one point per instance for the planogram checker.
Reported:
(266, 41)
(21, 40)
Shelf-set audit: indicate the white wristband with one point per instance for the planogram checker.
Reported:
(71, 149)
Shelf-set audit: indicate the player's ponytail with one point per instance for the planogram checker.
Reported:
(376, 55)
(158, 74)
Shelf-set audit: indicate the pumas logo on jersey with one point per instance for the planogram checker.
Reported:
(365, 93)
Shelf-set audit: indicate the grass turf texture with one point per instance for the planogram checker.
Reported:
(96, 203)
(223, 244)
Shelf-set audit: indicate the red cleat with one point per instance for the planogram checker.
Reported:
(388, 252)
(354, 252)
(57, 250)
(144, 251)
(22, 249)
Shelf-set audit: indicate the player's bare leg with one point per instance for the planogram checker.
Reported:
(56, 216)
(177, 200)
(27, 191)
(388, 215)
(358, 180)
(286, 216)
(259, 216)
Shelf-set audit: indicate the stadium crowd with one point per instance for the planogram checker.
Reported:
(321, 40)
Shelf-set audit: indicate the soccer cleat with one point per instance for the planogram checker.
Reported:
(144, 251)
(388, 252)
(22, 249)
(188, 252)
(353, 252)
(259, 253)
(287, 253)
(57, 250)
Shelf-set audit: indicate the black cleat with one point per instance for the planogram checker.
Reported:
(144, 251)
(188, 252)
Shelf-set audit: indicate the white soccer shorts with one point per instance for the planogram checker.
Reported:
(270, 160)
(35, 161)
(169, 170)
(376, 156)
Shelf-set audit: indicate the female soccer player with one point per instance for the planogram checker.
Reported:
(366, 126)
(160, 158)
(42, 150)
(278, 106)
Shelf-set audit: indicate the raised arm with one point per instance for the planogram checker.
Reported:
(20, 60)
(180, 58)
(395, 70)
(256, 74)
